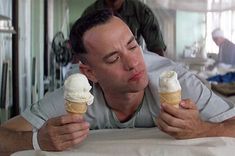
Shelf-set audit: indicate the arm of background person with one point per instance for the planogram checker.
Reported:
(150, 30)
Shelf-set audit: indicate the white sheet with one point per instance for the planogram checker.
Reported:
(142, 142)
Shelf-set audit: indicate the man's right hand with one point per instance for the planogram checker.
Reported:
(62, 132)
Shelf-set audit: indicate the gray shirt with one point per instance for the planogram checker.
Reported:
(227, 52)
(211, 107)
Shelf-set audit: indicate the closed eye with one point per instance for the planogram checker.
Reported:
(133, 48)
(112, 58)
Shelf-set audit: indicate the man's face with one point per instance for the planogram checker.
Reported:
(114, 4)
(218, 40)
(115, 58)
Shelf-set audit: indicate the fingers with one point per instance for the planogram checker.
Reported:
(70, 140)
(171, 110)
(179, 122)
(179, 113)
(187, 104)
(63, 132)
(168, 119)
(74, 135)
(73, 142)
(164, 126)
(65, 119)
(73, 127)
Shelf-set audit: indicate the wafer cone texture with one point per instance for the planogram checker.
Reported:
(171, 98)
(75, 107)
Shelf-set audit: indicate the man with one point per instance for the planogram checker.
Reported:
(138, 17)
(226, 48)
(125, 94)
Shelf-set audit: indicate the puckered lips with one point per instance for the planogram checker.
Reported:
(136, 76)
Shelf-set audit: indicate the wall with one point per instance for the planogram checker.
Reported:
(37, 48)
(24, 52)
(190, 28)
(76, 7)
(166, 19)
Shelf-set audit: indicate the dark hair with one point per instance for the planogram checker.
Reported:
(84, 24)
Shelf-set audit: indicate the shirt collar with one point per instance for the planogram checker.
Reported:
(126, 10)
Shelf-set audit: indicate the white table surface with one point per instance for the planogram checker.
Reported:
(142, 142)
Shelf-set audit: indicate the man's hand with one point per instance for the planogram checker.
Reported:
(183, 122)
(62, 132)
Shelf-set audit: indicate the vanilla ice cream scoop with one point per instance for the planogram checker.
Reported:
(169, 88)
(77, 93)
(168, 82)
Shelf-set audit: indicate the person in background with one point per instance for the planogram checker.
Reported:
(125, 84)
(226, 48)
(139, 18)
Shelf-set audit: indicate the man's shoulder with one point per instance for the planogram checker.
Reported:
(228, 46)
(136, 5)
(152, 58)
(156, 64)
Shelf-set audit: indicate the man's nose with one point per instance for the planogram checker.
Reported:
(130, 61)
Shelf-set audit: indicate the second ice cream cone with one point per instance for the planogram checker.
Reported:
(172, 98)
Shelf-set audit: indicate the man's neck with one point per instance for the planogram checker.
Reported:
(124, 106)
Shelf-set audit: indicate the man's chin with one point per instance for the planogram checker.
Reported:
(140, 87)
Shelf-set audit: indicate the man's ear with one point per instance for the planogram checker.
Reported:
(86, 70)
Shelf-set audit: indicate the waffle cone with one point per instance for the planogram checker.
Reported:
(171, 98)
(76, 107)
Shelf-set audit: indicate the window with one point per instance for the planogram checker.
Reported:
(226, 21)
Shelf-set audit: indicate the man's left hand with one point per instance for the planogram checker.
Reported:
(183, 122)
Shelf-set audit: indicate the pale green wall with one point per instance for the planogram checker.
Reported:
(37, 44)
(37, 28)
(76, 7)
(59, 15)
(190, 27)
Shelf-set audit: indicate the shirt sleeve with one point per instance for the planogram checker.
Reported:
(52, 105)
(211, 107)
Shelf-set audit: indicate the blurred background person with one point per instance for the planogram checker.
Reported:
(139, 18)
(226, 48)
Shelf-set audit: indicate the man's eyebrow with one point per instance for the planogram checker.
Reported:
(130, 40)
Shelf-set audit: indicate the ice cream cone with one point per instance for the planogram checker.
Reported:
(169, 88)
(75, 107)
(77, 94)
(172, 98)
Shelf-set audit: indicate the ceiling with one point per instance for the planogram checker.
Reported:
(194, 5)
